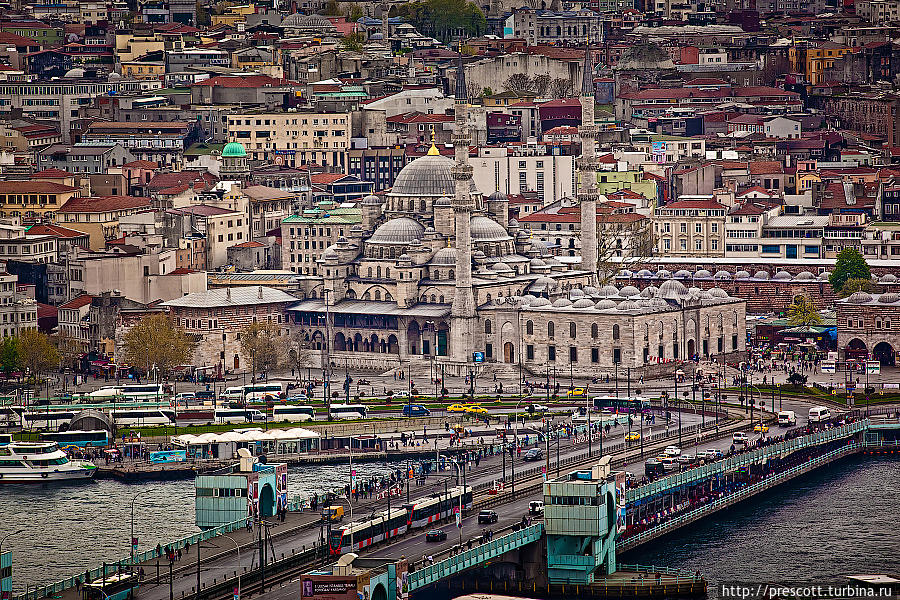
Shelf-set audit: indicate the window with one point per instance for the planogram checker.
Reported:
(489, 350)
(529, 352)
(734, 344)
(551, 330)
(595, 355)
(573, 354)
(529, 327)
(615, 332)
(595, 331)
(572, 330)
(487, 326)
(617, 355)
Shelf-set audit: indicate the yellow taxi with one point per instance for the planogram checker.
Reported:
(632, 437)
(461, 408)
(576, 393)
(474, 409)
(760, 428)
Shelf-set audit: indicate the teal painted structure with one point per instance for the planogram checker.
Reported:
(5, 575)
(229, 495)
(581, 515)
(475, 556)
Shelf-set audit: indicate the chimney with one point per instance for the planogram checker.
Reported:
(228, 294)
(259, 295)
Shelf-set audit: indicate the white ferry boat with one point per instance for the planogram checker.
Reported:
(36, 462)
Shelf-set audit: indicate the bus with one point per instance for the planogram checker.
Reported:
(614, 403)
(349, 411)
(238, 415)
(261, 392)
(233, 394)
(98, 438)
(155, 416)
(117, 586)
(134, 393)
(289, 412)
(46, 419)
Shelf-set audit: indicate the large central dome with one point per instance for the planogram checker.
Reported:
(429, 175)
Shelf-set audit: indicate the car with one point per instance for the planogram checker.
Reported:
(476, 410)
(534, 454)
(670, 464)
(761, 428)
(415, 410)
(710, 454)
(460, 408)
(535, 507)
(486, 517)
(739, 437)
(537, 408)
(672, 451)
(296, 398)
(632, 436)
(576, 393)
(436, 535)
(686, 459)
(400, 394)
(653, 468)
(333, 513)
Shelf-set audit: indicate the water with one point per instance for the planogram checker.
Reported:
(68, 529)
(835, 521)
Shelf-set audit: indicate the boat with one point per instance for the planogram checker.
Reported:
(37, 462)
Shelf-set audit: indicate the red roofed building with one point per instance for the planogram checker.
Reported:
(690, 226)
(417, 127)
(99, 216)
(74, 324)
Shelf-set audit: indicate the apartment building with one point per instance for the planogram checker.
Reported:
(530, 169)
(293, 138)
(159, 142)
(18, 309)
(690, 226)
(306, 236)
(33, 199)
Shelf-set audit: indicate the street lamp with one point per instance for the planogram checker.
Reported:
(3, 539)
(132, 540)
(238, 548)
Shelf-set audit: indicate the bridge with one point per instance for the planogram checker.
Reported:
(590, 516)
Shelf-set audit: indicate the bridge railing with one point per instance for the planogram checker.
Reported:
(475, 556)
(113, 567)
(750, 490)
(745, 458)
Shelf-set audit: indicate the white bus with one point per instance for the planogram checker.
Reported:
(156, 416)
(261, 392)
(289, 412)
(130, 393)
(46, 419)
(238, 415)
(819, 414)
(349, 411)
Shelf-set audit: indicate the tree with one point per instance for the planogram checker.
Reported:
(517, 82)
(561, 88)
(37, 352)
(803, 312)
(540, 84)
(263, 346)
(355, 14)
(621, 245)
(353, 41)
(487, 91)
(850, 264)
(155, 341)
(67, 347)
(443, 19)
(10, 356)
(796, 379)
(856, 284)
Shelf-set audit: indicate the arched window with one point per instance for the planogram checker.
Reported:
(378, 294)
(387, 271)
(388, 297)
(423, 207)
(529, 327)
(573, 331)
(370, 271)
(450, 274)
(595, 331)
(432, 298)
(551, 329)
(615, 332)
(487, 326)
(379, 272)
(442, 300)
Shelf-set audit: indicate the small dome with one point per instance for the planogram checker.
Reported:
(682, 274)
(859, 298)
(445, 257)
(782, 276)
(702, 273)
(583, 303)
(605, 304)
(576, 293)
(497, 196)
(761, 275)
(805, 276)
(609, 291)
(329, 254)
(485, 229)
(442, 201)
(401, 230)
(824, 275)
(694, 290)
(404, 258)
(889, 278)
(625, 273)
(627, 305)
(705, 295)
(513, 223)
(659, 303)
(528, 299)
(672, 290)
(649, 291)
(536, 262)
(663, 274)
(547, 282)
(889, 298)
(718, 293)
(371, 200)
(562, 303)
(233, 150)
(628, 291)
(742, 275)
(501, 267)
(722, 275)
(539, 302)
(590, 290)
(644, 274)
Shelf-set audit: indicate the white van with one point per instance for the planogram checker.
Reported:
(786, 418)
(819, 414)
(536, 507)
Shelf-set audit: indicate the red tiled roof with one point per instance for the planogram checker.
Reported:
(252, 244)
(82, 300)
(418, 117)
(52, 174)
(711, 204)
(54, 230)
(13, 39)
(325, 178)
(755, 188)
(34, 187)
(162, 181)
(95, 204)
(142, 164)
(766, 167)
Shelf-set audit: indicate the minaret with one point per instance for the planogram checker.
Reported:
(385, 25)
(462, 311)
(587, 170)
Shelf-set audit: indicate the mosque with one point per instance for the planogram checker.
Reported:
(436, 270)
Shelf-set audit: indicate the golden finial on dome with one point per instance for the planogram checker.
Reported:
(433, 151)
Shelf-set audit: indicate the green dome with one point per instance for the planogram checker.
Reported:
(233, 150)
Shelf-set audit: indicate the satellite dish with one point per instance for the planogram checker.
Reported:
(244, 453)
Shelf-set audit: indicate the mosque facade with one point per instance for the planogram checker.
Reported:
(436, 271)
